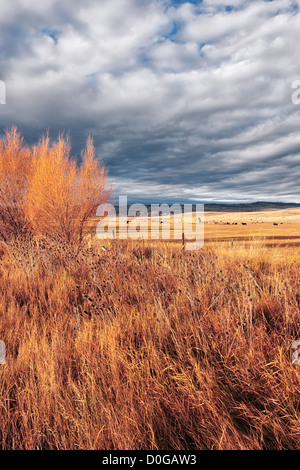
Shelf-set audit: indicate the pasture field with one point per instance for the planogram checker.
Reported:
(268, 228)
(128, 345)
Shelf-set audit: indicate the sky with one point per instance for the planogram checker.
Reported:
(185, 100)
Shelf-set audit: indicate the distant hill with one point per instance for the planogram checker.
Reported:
(249, 207)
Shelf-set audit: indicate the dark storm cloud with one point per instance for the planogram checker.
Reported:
(183, 99)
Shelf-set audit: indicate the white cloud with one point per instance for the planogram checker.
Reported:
(183, 94)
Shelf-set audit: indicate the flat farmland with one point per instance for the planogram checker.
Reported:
(265, 227)
(268, 228)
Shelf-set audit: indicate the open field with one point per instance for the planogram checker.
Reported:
(270, 227)
(142, 345)
(260, 227)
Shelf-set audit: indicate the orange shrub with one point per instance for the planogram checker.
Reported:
(44, 189)
(15, 165)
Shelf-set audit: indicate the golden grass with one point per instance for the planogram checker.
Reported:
(131, 346)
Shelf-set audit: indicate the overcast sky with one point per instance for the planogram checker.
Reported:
(185, 100)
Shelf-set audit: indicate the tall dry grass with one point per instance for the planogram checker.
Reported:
(140, 347)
